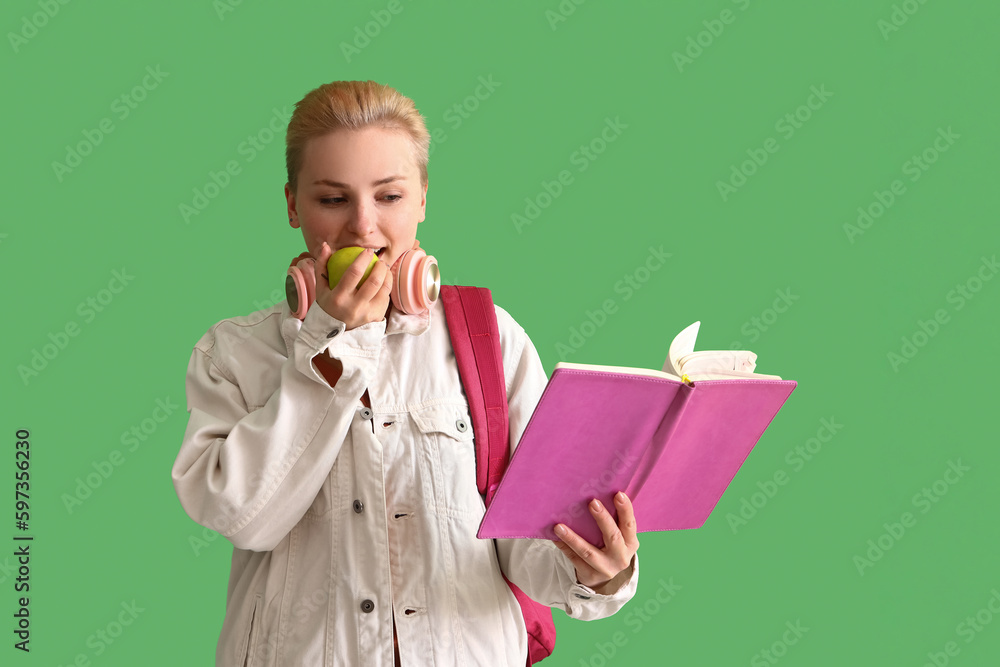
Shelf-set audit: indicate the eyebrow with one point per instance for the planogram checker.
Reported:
(338, 184)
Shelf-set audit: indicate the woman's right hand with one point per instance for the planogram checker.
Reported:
(354, 307)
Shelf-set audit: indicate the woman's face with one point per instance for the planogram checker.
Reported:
(358, 188)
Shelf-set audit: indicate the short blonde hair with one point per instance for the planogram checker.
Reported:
(353, 105)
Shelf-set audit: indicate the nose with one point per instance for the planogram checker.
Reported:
(362, 218)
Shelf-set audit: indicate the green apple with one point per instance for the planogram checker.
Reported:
(342, 259)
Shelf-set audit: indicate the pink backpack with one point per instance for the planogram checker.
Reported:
(472, 326)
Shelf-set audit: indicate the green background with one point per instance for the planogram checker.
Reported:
(853, 297)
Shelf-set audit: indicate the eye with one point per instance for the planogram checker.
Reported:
(331, 200)
(393, 197)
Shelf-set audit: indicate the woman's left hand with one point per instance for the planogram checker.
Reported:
(603, 570)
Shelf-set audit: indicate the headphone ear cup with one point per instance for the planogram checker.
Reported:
(300, 286)
(416, 283)
(398, 276)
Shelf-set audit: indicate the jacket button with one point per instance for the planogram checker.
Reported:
(333, 333)
(367, 606)
(582, 597)
(366, 413)
(461, 426)
(359, 506)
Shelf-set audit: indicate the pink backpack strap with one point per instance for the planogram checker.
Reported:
(475, 337)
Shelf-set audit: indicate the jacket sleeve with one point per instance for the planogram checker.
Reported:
(537, 566)
(251, 475)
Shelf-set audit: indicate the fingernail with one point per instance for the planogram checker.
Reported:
(620, 497)
(560, 529)
(595, 504)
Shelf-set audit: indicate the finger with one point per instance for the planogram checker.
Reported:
(356, 270)
(574, 558)
(584, 551)
(614, 542)
(385, 293)
(572, 555)
(370, 289)
(325, 252)
(387, 283)
(626, 520)
(320, 267)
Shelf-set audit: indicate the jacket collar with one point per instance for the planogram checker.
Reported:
(397, 322)
(400, 322)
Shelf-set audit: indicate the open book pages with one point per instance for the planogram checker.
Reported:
(683, 360)
(709, 364)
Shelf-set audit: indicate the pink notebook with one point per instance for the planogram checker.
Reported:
(672, 446)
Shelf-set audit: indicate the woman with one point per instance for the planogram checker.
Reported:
(330, 450)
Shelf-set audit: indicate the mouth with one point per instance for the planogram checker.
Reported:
(378, 251)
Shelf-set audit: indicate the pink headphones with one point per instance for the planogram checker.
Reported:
(416, 283)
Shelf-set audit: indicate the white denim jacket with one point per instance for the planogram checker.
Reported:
(343, 517)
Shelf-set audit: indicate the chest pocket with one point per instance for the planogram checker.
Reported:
(446, 434)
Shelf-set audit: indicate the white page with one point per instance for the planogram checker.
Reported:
(710, 361)
(683, 344)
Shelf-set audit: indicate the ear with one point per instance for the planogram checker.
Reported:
(293, 216)
(423, 203)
